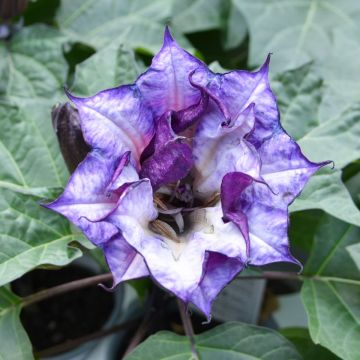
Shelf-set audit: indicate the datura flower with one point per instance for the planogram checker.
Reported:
(189, 178)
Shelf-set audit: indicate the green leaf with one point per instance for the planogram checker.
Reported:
(15, 344)
(354, 251)
(137, 23)
(332, 296)
(191, 16)
(299, 94)
(336, 139)
(236, 27)
(303, 225)
(32, 74)
(295, 31)
(33, 71)
(112, 66)
(341, 72)
(301, 339)
(228, 341)
(301, 31)
(29, 154)
(327, 192)
(32, 65)
(31, 236)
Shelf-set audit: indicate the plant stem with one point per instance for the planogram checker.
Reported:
(94, 280)
(64, 288)
(139, 335)
(274, 275)
(189, 331)
(143, 328)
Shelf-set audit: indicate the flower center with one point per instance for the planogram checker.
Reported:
(178, 207)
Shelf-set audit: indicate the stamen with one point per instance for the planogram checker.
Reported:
(159, 202)
(179, 222)
(164, 229)
(213, 200)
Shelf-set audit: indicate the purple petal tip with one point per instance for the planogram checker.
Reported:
(70, 96)
(265, 67)
(168, 39)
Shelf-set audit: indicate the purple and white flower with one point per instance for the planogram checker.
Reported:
(189, 178)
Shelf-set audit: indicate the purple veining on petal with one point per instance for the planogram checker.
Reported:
(209, 133)
(220, 270)
(85, 197)
(168, 158)
(220, 147)
(163, 134)
(233, 184)
(177, 266)
(165, 85)
(124, 262)
(124, 161)
(183, 119)
(236, 90)
(286, 171)
(168, 165)
(116, 120)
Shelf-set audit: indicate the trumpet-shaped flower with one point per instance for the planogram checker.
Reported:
(189, 178)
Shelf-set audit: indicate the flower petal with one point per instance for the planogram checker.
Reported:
(177, 266)
(286, 171)
(185, 118)
(115, 121)
(165, 86)
(220, 148)
(232, 186)
(220, 270)
(133, 215)
(124, 262)
(169, 158)
(236, 90)
(86, 196)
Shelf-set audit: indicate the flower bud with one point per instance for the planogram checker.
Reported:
(12, 8)
(66, 124)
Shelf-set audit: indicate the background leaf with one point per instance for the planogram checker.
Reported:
(327, 192)
(340, 70)
(136, 23)
(110, 67)
(28, 149)
(33, 71)
(31, 236)
(295, 31)
(301, 339)
(32, 65)
(227, 341)
(354, 251)
(299, 94)
(332, 296)
(198, 15)
(15, 344)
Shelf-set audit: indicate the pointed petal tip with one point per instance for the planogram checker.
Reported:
(70, 96)
(266, 65)
(328, 162)
(168, 39)
(45, 205)
(298, 263)
(110, 289)
(49, 205)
